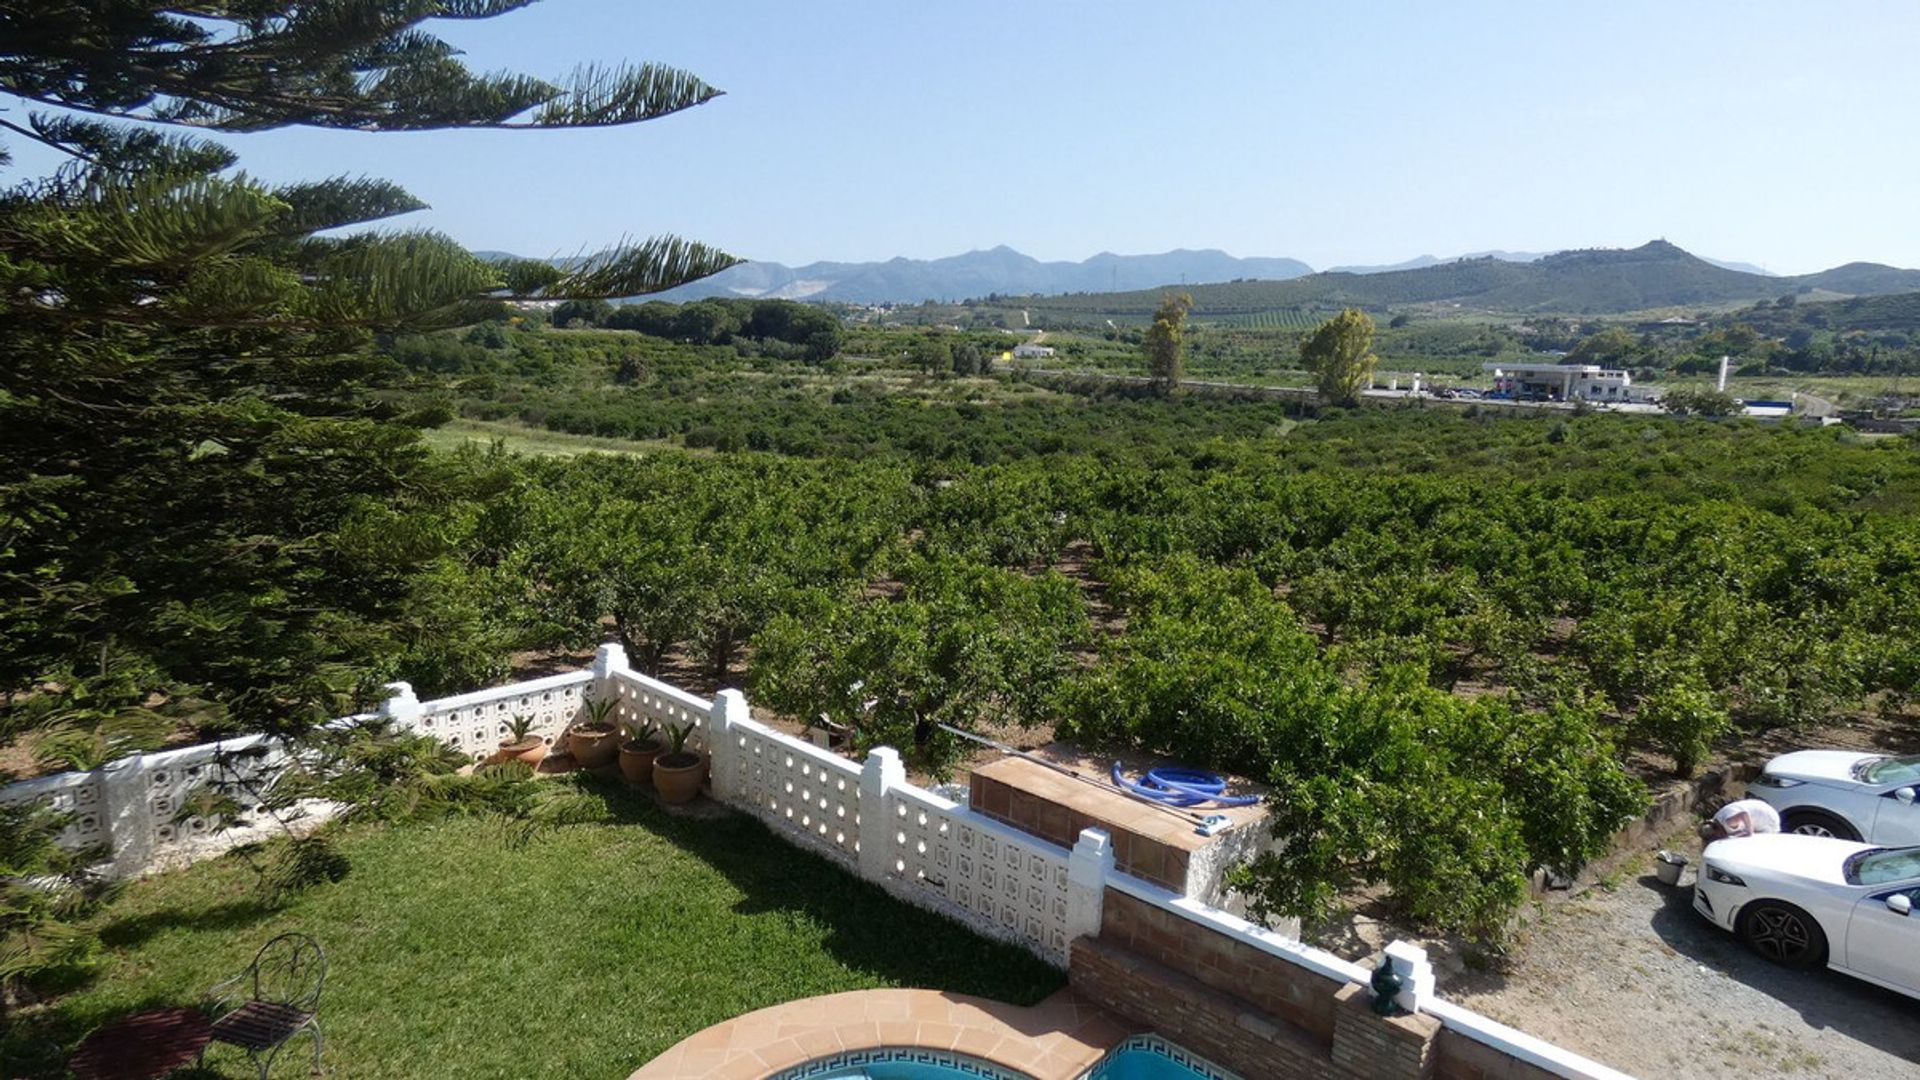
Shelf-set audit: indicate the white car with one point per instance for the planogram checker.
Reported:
(1804, 901)
(1843, 794)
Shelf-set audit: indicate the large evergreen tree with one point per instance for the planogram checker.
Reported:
(205, 505)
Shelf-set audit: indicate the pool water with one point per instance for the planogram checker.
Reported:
(903, 1070)
(1153, 1063)
(901, 1064)
(1143, 1057)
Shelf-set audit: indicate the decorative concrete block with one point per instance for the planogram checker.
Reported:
(1416, 974)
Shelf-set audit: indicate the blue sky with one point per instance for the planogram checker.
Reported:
(1780, 134)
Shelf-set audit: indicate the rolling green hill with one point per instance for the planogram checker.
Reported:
(1898, 313)
(1591, 282)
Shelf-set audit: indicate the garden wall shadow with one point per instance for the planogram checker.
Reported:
(867, 930)
(132, 930)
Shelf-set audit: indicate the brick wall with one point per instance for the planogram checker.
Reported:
(1263, 1016)
(1281, 989)
(1462, 1058)
(1383, 1046)
(1208, 1021)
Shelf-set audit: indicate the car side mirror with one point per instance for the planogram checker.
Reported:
(1900, 904)
(1904, 794)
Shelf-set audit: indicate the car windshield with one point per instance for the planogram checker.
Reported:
(1891, 770)
(1883, 865)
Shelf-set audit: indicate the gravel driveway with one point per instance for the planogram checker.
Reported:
(1627, 974)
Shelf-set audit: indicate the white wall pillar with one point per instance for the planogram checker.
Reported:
(881, 773)
(1416, 974)
(608, 660)
(1087, 870)
(126, 814)
(723, 749)
(402, 707)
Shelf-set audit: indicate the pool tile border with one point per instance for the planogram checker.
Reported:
(961, 1063)
(1175, 1053)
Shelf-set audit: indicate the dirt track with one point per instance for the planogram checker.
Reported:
(1630, 976)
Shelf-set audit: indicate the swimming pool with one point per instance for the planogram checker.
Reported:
(899, 1064)
(1142, 1057)
(1150, 1057)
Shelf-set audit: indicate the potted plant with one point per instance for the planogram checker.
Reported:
(521, 744)
(678, 772)
(643, 745)
(593, 741)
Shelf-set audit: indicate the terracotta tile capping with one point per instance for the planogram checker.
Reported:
(1058, 1039)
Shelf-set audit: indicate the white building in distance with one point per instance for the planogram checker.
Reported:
(1032, 352)
(1562, 382)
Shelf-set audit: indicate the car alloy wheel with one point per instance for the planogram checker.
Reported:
(1817, 823)
(1784, 935)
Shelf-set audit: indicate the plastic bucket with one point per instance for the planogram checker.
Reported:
(1667, 865)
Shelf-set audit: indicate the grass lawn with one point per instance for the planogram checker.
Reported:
(583, 953)
(522, 439)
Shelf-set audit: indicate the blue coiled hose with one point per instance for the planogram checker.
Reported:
(1181, 787)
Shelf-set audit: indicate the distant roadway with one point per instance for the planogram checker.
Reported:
(1306, 392)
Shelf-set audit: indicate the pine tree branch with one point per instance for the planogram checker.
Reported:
(338, 202)
(352, 64)
(39, 138)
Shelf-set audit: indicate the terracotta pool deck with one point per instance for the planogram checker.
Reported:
(1058, 1039)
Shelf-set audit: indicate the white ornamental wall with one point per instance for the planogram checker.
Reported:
(138, 809)
(642, 700)
(476, 723)
(1007, 883)
(80, 795)
(810, 795)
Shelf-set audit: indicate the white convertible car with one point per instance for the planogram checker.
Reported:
(1843, 794)
(1804, 901)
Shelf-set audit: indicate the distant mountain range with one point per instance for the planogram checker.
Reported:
(1000, 270)
(1594, 282)
(1420, 262)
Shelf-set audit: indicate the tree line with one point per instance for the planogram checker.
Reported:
(811, 333)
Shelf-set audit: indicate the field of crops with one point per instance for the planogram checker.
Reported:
(1296, 319)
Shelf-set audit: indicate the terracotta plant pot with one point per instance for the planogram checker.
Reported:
(530, 750)
(636, 759)
(593, 745)
(677, 777)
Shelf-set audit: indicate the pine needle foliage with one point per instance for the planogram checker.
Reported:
(203, 481)
(364, 65)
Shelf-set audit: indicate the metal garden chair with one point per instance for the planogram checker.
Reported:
(261, 1009)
